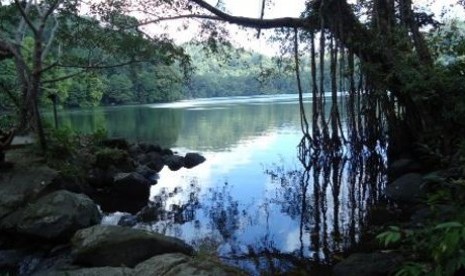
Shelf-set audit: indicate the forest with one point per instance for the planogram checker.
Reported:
(222, 71)
(402, 71)
(149, 80)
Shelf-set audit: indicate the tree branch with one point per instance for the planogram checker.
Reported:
(282, 22)
(25, 17)
(62, 78)
(90, 66)
(50, 39)
(86, 68)
(183, 16)
(10, 94)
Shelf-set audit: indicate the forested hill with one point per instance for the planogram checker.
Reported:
(229, 71)
(90, 64)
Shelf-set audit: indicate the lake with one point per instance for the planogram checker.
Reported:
(251, 202)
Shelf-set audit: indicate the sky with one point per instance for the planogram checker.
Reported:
(292, 8)
(282, 8)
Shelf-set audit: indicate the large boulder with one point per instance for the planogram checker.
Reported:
(117, 143)
(10, 259)
(150, 213)
(155, 161)
(437, 213)
(402, 166)
(150, 147)
(114, 157)
(174, 162)
(131, 186)
(129, 192)
(55, 216)
(22, 184)
(100, 178)
(165, 264)
(368, 264)
(193, 159)
(146, 172)
(107, 245)
(406, 189)
(93, 271)
(135, 150)
(180, 264)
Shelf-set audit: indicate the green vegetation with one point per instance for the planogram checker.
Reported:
(401, 82)
(437, 246)
(228, 71)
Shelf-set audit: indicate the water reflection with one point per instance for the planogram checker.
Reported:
(305, 217)
(252, 201)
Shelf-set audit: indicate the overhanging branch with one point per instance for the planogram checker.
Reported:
(282, 22)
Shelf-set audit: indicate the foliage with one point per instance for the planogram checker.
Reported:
(391, 236)
(437, 248)
(110, 156)
(70, 152)
(63, 143)
(86, 91)
(229, 71)
(448, 43)
(87, 61)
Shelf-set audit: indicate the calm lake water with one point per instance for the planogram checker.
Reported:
(251, 202)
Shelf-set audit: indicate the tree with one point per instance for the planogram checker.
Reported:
(49, 42)
(85, 91)
(33, 18)
(391, 52)
(119, 90)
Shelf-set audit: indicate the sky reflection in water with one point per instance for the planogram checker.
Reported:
(251, 201)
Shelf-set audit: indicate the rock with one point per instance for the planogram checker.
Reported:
(99, 178)
(128, 221)
(368, 264)
(146, 172)
(382, 215)
(106, 245)
(132, 186)
(54, 216)
(193, 159)
(402, 166)
(166, 152)
(118, 143)
(155, 161)
(57, 258)
(407, 188)
(135, 150)
(154, 148)
(180, 264)
(107, 157)
(438, 213)
(95, 271)
(174, 162)
(150, 213)
(10, 259)
(142, 158)
(20, 185)
(129, 192)
(144, 146)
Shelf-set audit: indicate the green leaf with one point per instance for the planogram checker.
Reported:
(447, 225)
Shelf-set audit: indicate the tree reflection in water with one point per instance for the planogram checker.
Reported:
(328, 199)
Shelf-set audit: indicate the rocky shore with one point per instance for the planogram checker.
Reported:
(50, 224)
(406, 191)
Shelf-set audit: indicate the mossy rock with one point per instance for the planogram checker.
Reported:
(106, 157)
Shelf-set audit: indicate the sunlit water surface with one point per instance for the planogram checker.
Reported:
(251, 202)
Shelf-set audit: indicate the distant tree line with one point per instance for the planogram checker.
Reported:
(229, 71)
